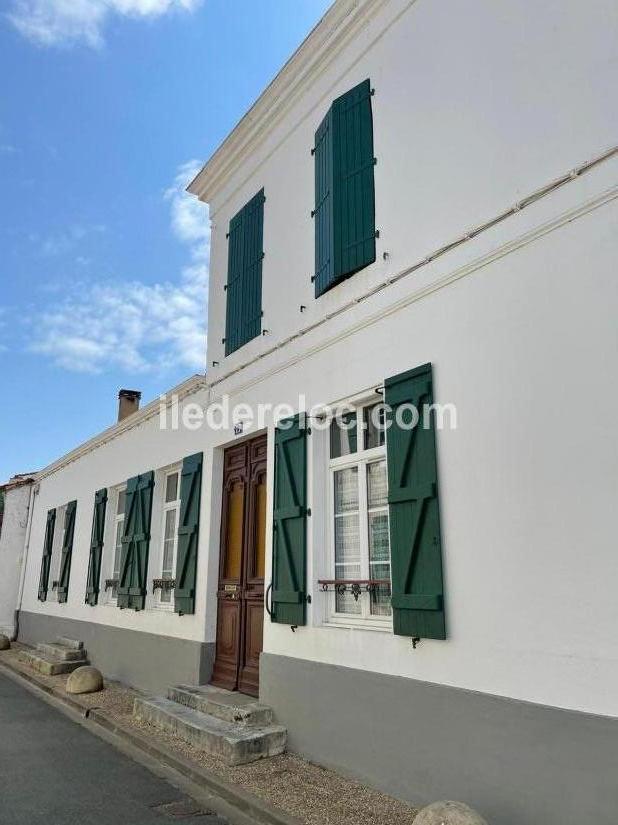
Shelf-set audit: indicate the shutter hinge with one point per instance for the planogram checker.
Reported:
(312, 278)
(313, 152)
(227, 235)
(313, 213)
(375, 161)
(223, 340)
(372, 92)
(308, 598)
(265, 332)
(225, 287)
(377, 233)
(308, 511)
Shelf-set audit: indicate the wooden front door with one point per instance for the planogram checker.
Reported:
(240, 598)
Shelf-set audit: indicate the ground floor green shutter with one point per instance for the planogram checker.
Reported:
(67, 551)
(188, 534)
(290, 523)
(416, 547)
(132, 584)
(47, 553)
(96, 547)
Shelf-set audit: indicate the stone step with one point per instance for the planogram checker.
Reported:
(50, 665)
(224, 704)
(75, 644)
(233, 744)
(57, 651)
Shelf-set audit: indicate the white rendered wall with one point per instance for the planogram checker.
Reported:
(477, 104)
(12, 546)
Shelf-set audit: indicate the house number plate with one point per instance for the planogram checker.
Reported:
(231, 588)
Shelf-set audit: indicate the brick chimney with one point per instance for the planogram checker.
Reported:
(128, 403)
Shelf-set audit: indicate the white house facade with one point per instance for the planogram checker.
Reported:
(417, 218)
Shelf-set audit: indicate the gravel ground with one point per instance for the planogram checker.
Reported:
(315, 795)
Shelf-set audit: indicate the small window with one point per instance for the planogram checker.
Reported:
(56, 555)
(360, 529)
(169, 534)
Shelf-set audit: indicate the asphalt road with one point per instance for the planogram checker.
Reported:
(55, 772)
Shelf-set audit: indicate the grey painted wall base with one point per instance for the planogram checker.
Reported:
(144, 660)
(517, 763)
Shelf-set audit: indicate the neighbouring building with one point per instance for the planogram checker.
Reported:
(419, 210)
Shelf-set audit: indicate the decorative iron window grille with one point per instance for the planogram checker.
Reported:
(354, 586)
(111, 583)
(163, 584)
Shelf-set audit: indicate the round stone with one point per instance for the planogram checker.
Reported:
(448, 813)
(85, 679)
(5, 642)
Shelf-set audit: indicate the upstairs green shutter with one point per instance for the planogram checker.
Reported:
(96, 547)
(344, 189)
(244, 276)
(47, 553)
(188, 534)
(67, 551)
(290, 523)
(416, 548)
(132, 584)
(323, 212)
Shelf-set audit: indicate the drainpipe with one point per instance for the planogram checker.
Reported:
(34, 489)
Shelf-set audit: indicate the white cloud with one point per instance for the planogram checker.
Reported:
(136, 326)
(55, 22)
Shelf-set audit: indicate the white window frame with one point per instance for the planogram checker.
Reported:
(115, 520)
(361, 459)
(166, 507)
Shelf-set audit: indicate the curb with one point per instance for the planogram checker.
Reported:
(243, 801)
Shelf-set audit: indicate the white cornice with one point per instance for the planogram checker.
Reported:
(340, 23)
(182, 390)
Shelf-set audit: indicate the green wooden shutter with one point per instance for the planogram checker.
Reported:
(416, 548)
(47, 553)
(344, 189)
(132, 585)
(323, 211)
(290, 523)
(188, 534)
(96, 547)
(67, 551)
(243, 320)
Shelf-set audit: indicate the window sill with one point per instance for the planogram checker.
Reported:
(361, 624)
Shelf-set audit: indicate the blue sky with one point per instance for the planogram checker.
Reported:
(106, 108)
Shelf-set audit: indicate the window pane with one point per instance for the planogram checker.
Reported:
(373, 421)
(377, 488)
(346, 490)
(347, 559)
(171, 488)
(168, 542)
(379, 561)
(343, 435)
(121, 503)
(234, 531)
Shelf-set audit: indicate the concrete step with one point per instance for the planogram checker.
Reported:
(66, 642)
(233, 744)
(50, 665)
(57, 651)
(224, 704)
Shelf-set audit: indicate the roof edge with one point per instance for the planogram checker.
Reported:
(185, 388)
(319, 48)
